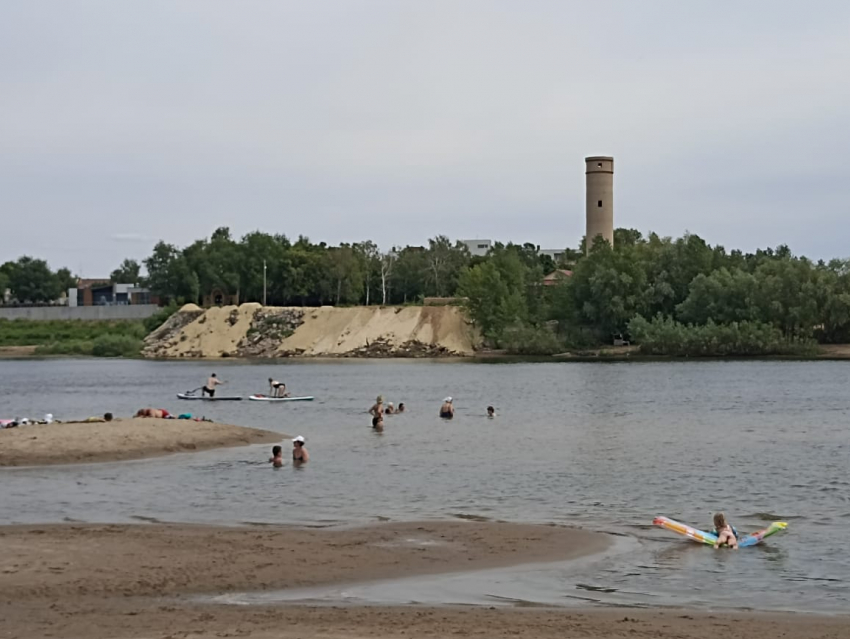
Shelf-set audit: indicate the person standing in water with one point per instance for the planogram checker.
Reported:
(209, 389)
(447, 410)
(491, 412)
(276, 388)
(377, 407)
(276, 459)
(299, 453)
(378, 423)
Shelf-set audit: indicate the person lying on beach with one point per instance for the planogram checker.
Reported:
(159, 413)
(377, 407)
(725, 533)
(277, 389)
(299, 453)
(378, 422)
(447, 410)
(276, 459)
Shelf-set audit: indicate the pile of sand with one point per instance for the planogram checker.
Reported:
(135, 438)
(325, 331)
(337, 331)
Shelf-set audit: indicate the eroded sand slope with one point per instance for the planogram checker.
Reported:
(251, 330)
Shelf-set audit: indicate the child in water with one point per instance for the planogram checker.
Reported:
(276, 459)
(725, 533)
(378, 422)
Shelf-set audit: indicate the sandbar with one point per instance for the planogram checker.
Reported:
(120, 439)
(122, 581)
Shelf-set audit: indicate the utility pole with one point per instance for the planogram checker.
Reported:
(264, 282)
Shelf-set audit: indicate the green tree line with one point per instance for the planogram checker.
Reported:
(674, 296)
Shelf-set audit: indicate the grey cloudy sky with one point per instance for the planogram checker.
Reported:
(125, 122)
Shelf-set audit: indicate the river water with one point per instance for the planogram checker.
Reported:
(604, 446)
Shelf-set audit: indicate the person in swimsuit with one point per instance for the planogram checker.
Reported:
(377, 407)
(725, 533)
(277, 389)
(276, 459)
(209, 389)
(299, 453)
(447, 410)
(159, 413)
(378, 423)
(491, 412)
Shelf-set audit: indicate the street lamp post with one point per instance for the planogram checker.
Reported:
(264, 282)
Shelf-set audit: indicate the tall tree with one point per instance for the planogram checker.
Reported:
(128, 272)
(31, 280)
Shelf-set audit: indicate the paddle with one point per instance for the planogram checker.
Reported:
(192, 392)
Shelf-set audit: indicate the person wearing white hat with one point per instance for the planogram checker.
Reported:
(299, 453)
(447, 410)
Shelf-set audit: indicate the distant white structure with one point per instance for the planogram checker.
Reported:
(478, 248)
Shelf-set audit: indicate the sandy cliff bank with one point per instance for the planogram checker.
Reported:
(251, 330)
(136, 438)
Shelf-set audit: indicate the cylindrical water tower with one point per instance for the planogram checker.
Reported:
(600, 199)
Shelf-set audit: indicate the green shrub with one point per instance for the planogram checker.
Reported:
(664, 336)
(159, 318)
(530, 340)
(116, 346)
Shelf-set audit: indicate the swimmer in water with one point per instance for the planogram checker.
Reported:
(447, 410)
(377, 407)
(725, 533)
(299, 453)
(491, 412)
(378, 422)
(276, 459)
(400, 407)
(390, 408)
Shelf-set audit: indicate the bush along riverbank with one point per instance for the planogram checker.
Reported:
(58, 337)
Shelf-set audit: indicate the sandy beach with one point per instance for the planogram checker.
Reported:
(120, 439)
(135, 581)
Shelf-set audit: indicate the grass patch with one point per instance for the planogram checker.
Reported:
(35, 333)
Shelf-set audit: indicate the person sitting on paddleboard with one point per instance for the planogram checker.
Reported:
(276, 459)
(277, 389)
(377, 407)
(447, 410)
(209, 389)
(726, 534)
(299, 453)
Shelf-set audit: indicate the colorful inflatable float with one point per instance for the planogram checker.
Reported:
(710, 539)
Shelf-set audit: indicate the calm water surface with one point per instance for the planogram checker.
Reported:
(603, 446)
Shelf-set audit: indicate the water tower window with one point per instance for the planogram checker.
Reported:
(599, 164)
(599, 204)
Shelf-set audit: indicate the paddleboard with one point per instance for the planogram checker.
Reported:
(223, 398)
(710, 539)
(265, 398)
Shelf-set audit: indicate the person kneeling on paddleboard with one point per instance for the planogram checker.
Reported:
(209, 389)
(277, 389)
(726, 534)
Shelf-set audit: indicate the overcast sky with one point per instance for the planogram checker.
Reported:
(123, 122)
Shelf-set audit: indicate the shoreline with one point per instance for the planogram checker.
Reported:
(120, 440)
(138, 580)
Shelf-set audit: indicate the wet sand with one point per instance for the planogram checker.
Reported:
(120, 439)
(110, 581)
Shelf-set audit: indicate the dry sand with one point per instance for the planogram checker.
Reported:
(336, 331)
(134, 581)
(136, 438)
(326, 331)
